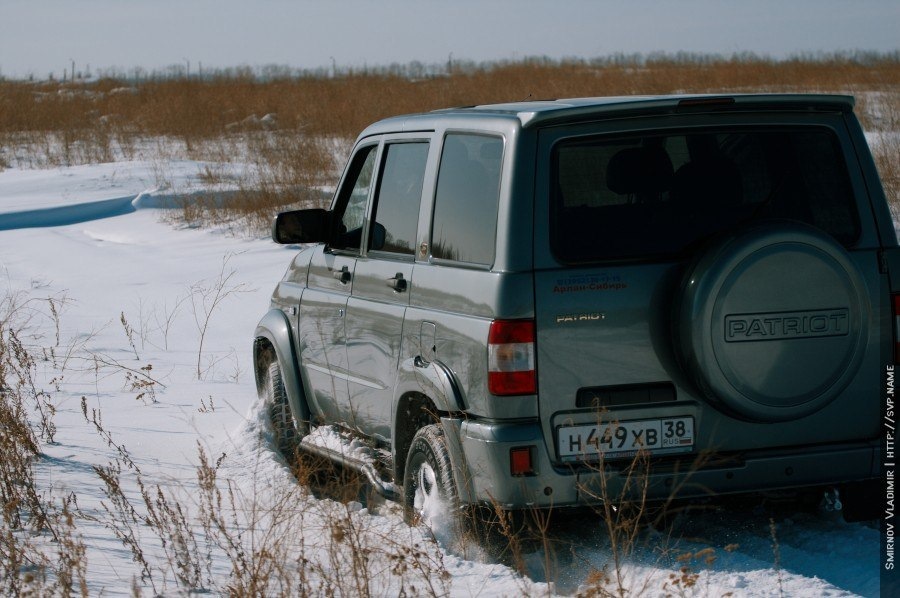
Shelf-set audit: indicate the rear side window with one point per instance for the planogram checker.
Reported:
(464, 226)
(646, 195)
(398, 197)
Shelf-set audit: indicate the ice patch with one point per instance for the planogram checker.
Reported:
(65, 215)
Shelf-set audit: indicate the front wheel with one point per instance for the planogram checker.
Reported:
(284, 426)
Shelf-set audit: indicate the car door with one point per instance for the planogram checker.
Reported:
(321, 326)
(382, 284)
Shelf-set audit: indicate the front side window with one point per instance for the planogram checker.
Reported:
(658, 194)
(350, 208)
(398, 197)
(464, 226)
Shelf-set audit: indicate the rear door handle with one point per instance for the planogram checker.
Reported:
(343, 274)
(398, 283)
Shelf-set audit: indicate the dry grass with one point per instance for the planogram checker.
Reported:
(211, 536)
(341, 106)
(887, 158)
(226, 534)
(217, 535)
(886, 148)
(293, 130)
(40, 550)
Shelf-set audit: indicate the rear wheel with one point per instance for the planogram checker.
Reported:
(286, 432)
(432, 499)
(429, 491)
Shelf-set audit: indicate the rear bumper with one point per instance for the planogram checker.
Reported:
(480, 451)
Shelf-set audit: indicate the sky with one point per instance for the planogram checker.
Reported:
(38, 37)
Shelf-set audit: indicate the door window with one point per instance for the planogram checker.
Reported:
(397, 201)
(350, 209)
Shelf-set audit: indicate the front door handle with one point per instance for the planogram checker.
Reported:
(398, 283)
(343, 275)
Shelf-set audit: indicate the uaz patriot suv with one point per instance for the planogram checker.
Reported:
(507, 303)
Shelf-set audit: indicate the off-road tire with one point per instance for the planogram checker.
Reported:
(284, 426)
(428, 475)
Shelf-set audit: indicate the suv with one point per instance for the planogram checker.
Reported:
(508, 303)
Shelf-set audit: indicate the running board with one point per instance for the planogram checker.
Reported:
(343, 448)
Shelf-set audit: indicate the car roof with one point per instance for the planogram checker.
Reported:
(544, 112)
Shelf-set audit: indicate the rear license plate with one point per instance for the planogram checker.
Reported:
(616, 440)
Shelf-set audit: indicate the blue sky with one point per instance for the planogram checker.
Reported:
(42, 36)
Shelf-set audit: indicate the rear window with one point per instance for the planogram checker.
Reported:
(652, 195)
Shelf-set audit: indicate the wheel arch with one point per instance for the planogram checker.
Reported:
(428, 394)
(273, 341)
(414, 411)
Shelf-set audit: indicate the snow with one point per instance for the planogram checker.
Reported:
(110, 284)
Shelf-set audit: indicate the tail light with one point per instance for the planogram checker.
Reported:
(896, 301)
(511, 369)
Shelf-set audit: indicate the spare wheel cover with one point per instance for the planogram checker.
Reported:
(772, 321)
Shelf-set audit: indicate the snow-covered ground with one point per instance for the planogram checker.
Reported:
(111, 286)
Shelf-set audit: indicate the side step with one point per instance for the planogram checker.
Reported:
(343, 447)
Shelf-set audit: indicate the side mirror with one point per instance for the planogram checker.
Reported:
(302, 226)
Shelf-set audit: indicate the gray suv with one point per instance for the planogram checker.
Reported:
(507, 304)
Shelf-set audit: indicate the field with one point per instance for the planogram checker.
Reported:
(291, 131)
(137, 457)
